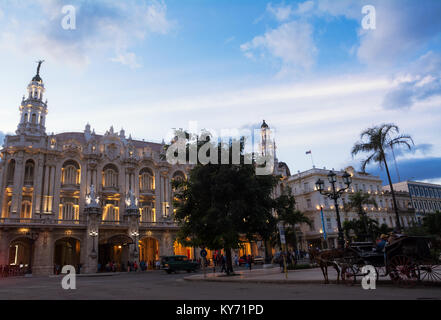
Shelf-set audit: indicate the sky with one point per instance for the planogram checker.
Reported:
(308, 68)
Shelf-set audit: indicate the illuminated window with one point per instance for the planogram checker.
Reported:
(110, 176)
(146, 180)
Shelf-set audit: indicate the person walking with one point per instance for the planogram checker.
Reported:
(224, 264)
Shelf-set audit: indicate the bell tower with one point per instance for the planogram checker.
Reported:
(33, 110)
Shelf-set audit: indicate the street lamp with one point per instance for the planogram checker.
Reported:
(135, 235)
(335, 195)
(93, 234)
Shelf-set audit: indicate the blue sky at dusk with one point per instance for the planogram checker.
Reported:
(306, 67)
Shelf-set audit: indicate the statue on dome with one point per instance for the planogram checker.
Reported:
(40, 62)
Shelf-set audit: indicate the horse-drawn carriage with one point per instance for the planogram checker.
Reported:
(406, 260)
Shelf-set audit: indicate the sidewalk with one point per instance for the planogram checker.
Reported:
(274, 275)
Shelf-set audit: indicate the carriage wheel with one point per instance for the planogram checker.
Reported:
(430, 273)
(403, 271)
(381, 272)
(348, 275)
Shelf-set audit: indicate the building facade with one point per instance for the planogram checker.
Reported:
(310, 202)
(46, 180)
(80, 198)
(425, 197)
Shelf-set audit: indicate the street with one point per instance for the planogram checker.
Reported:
(157, 285)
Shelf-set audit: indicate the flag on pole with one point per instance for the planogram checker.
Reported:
(323, 223)
(309, 152)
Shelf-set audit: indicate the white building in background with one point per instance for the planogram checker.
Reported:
(310, 201)
(425, 197)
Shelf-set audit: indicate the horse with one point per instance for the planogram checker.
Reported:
(326, 259)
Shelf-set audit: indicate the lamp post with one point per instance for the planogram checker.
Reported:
(135, 235)
(335, 195)
(93, 234)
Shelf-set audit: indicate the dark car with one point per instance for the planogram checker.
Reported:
(177, 263)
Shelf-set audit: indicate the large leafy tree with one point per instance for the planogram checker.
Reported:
(288, 215)
(220, 204)
(358, 201)
(377, 142)
(358, 227)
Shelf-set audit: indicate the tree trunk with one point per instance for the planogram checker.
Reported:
(393, 196)
(229, 261)
(268, 255)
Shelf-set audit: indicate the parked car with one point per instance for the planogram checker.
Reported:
(259, 260)
(177, 263)
(242, 260)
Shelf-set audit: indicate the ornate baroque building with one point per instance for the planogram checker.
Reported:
(49, 210)
(323, 232)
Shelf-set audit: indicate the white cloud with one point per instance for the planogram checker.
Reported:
(280, 12)
(156, 17)
(127, 59)
(104, 28)
(291, 43)
(421, 81)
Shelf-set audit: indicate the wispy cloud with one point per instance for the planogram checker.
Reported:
(421, 81)
(111, 28)
(291, 43)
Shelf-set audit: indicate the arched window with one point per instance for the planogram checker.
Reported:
(110, 176)
(111, 213)
(71, 173)
(146, 180)
(29, 173)
(148, 214)
(11, 172)
(34, 119)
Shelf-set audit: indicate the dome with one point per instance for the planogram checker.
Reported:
(37, 78)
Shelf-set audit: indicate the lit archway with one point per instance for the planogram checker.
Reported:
(181, 250)
(20, 252)
(114, 251)
(67, 252)
(149, 251)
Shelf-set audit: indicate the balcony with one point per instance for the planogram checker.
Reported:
(158, 225)
(43, 222)
(147, 192)
(115, 223)
(110, 190)
(70, 187)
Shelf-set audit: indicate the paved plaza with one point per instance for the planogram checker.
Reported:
(157, 285)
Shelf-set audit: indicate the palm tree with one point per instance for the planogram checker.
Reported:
(357, 202)
(377, 141)
(287, 213)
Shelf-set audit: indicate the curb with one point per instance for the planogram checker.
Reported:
(91, 275)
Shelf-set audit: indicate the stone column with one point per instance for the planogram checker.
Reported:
(83, 188)
(92, 241)
(38, 186)
(18, 187)
(57, 188)
(42, 259)
(158, 199)
(4, 248)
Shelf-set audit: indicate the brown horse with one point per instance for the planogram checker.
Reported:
(325, 259)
